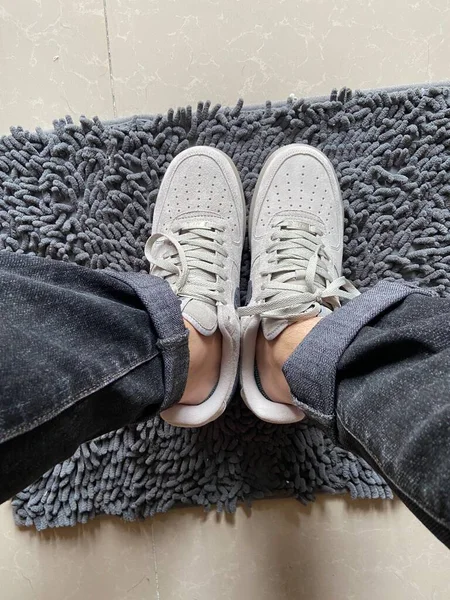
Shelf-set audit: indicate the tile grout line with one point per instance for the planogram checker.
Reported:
(108, 47)
(155, 564)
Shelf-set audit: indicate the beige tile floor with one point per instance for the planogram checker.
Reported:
(119, 57)
(335, 549)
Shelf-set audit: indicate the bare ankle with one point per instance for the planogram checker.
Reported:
(205, 354)
(272, 354)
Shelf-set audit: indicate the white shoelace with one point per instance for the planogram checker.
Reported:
(300, 275)
(194, 267)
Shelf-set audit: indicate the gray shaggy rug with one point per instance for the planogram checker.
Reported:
(85, 193)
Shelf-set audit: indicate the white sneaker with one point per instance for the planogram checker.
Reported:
(296, 228)
(196, 245)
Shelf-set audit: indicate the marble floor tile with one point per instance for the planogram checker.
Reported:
(335, 549)
(177, 52)
(53, 62)
(106, 559)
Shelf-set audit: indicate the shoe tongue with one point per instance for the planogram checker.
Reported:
(273, 327)
(201, 315)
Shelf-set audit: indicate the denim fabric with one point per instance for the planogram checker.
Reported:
(376, 376)
(312, 368)
(84, 352)
(164, 311)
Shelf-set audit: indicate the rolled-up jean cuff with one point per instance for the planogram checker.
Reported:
(311, 370)
(163, 308)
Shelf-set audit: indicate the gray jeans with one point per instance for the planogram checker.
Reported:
(86, 352)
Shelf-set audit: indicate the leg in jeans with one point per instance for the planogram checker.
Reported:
(376, 375)
(83, 352)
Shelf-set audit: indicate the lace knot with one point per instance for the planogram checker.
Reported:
(298, 275)
(191, 259)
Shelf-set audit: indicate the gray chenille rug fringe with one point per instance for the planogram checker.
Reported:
(85, 193)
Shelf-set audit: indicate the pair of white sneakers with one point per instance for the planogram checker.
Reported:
(296, 238)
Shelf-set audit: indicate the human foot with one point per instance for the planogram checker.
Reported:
(272, 354)
(296, 238)
(196, 245)
(205, 354)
